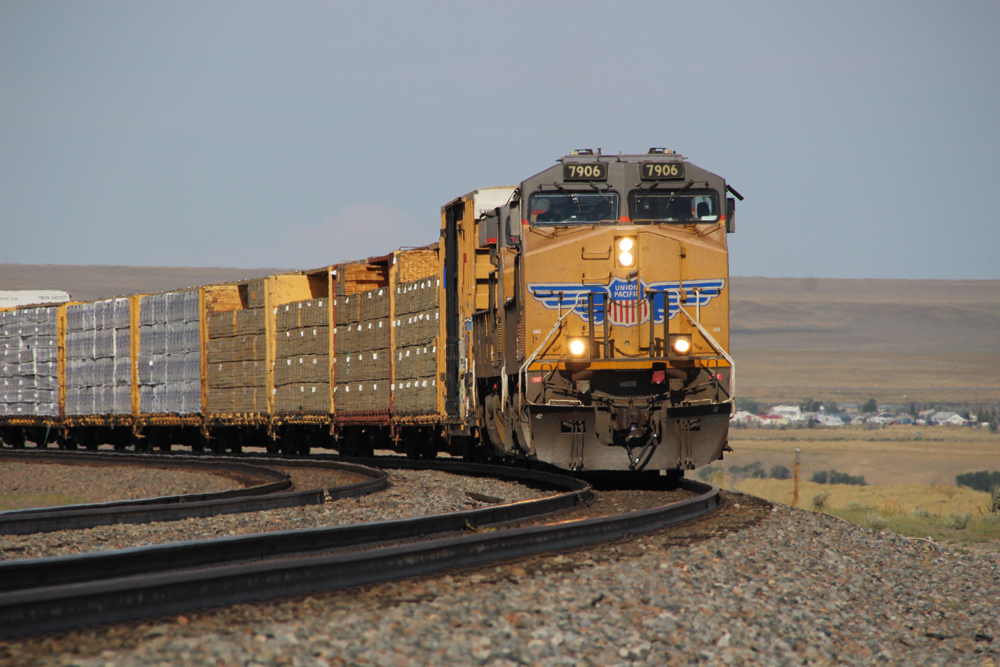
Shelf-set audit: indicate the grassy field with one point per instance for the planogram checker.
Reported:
(911, 478)
(885, 456)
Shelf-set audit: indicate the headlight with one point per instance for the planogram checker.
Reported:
(577, 347)
(626, 257)
(680, 344)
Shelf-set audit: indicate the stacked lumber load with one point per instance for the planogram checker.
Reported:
(169, 357)
(29, 361)
(416, 321)
(362, 360)
(302, 357)
(237, 356)
(99, 358)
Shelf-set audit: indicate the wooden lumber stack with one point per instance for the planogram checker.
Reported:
(237, 353)
(362, 359)
(416, 321)
(302, 357)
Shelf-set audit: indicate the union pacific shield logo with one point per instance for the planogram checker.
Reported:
(628, 302)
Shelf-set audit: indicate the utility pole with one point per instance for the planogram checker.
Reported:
(795, 498)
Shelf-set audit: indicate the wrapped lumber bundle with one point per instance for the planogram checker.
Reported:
(29, 362)
(416, 321)
(169, 359)
(362, 360)
(237, 366)
(99, 358)
(302, 357)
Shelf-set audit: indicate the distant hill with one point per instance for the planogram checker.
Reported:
(918, 316)
(828, 339)
(850, 340)
(88, 283)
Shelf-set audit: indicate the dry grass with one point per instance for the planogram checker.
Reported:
(888, 456)
(938, 500)
(948, 514)
(911, 479)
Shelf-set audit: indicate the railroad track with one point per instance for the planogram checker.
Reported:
(53, 594)
(270, 494)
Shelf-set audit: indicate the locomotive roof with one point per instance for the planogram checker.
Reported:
(656, 155)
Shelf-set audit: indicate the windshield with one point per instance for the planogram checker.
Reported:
(573, 208)
(680, 206)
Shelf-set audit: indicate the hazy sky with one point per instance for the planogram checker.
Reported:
(865, 136)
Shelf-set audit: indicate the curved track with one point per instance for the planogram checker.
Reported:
(51, 594)
(269, 495)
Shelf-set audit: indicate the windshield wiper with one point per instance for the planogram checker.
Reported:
(647, 191)
(603, 196)
(674, 196)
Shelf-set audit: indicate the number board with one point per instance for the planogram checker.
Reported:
(585, 172)
(661, 171)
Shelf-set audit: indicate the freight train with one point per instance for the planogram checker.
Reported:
(579, 318)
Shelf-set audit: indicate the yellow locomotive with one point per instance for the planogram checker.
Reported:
(602, 341)
(580, 318)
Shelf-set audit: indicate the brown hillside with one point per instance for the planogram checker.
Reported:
(88, 283)
(847, 340)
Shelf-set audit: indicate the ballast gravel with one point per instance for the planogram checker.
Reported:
(755, 586)
(410, 493)
(81, 483)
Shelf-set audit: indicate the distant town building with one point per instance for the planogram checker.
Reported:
(829, 420)
(792, 413)
(747, 418)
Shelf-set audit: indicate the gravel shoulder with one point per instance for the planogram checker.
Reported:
(754, 585)
(102, 483)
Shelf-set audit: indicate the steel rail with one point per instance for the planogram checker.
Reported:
(34, 573)
(256, 498)
(62, 607)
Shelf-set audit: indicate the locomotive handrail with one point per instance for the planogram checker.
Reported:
(711, 341)
(531, 359)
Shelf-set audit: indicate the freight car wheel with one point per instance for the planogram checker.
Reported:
(140, 442)
(67, 441)
(14, 437)
(358, 442)
(84, 437)
(295, 443)
(217, 444)
(39, 435)
(422, 445)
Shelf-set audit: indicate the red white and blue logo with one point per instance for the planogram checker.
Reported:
(628, 303)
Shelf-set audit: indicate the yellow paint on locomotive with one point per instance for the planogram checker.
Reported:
(587, 255)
